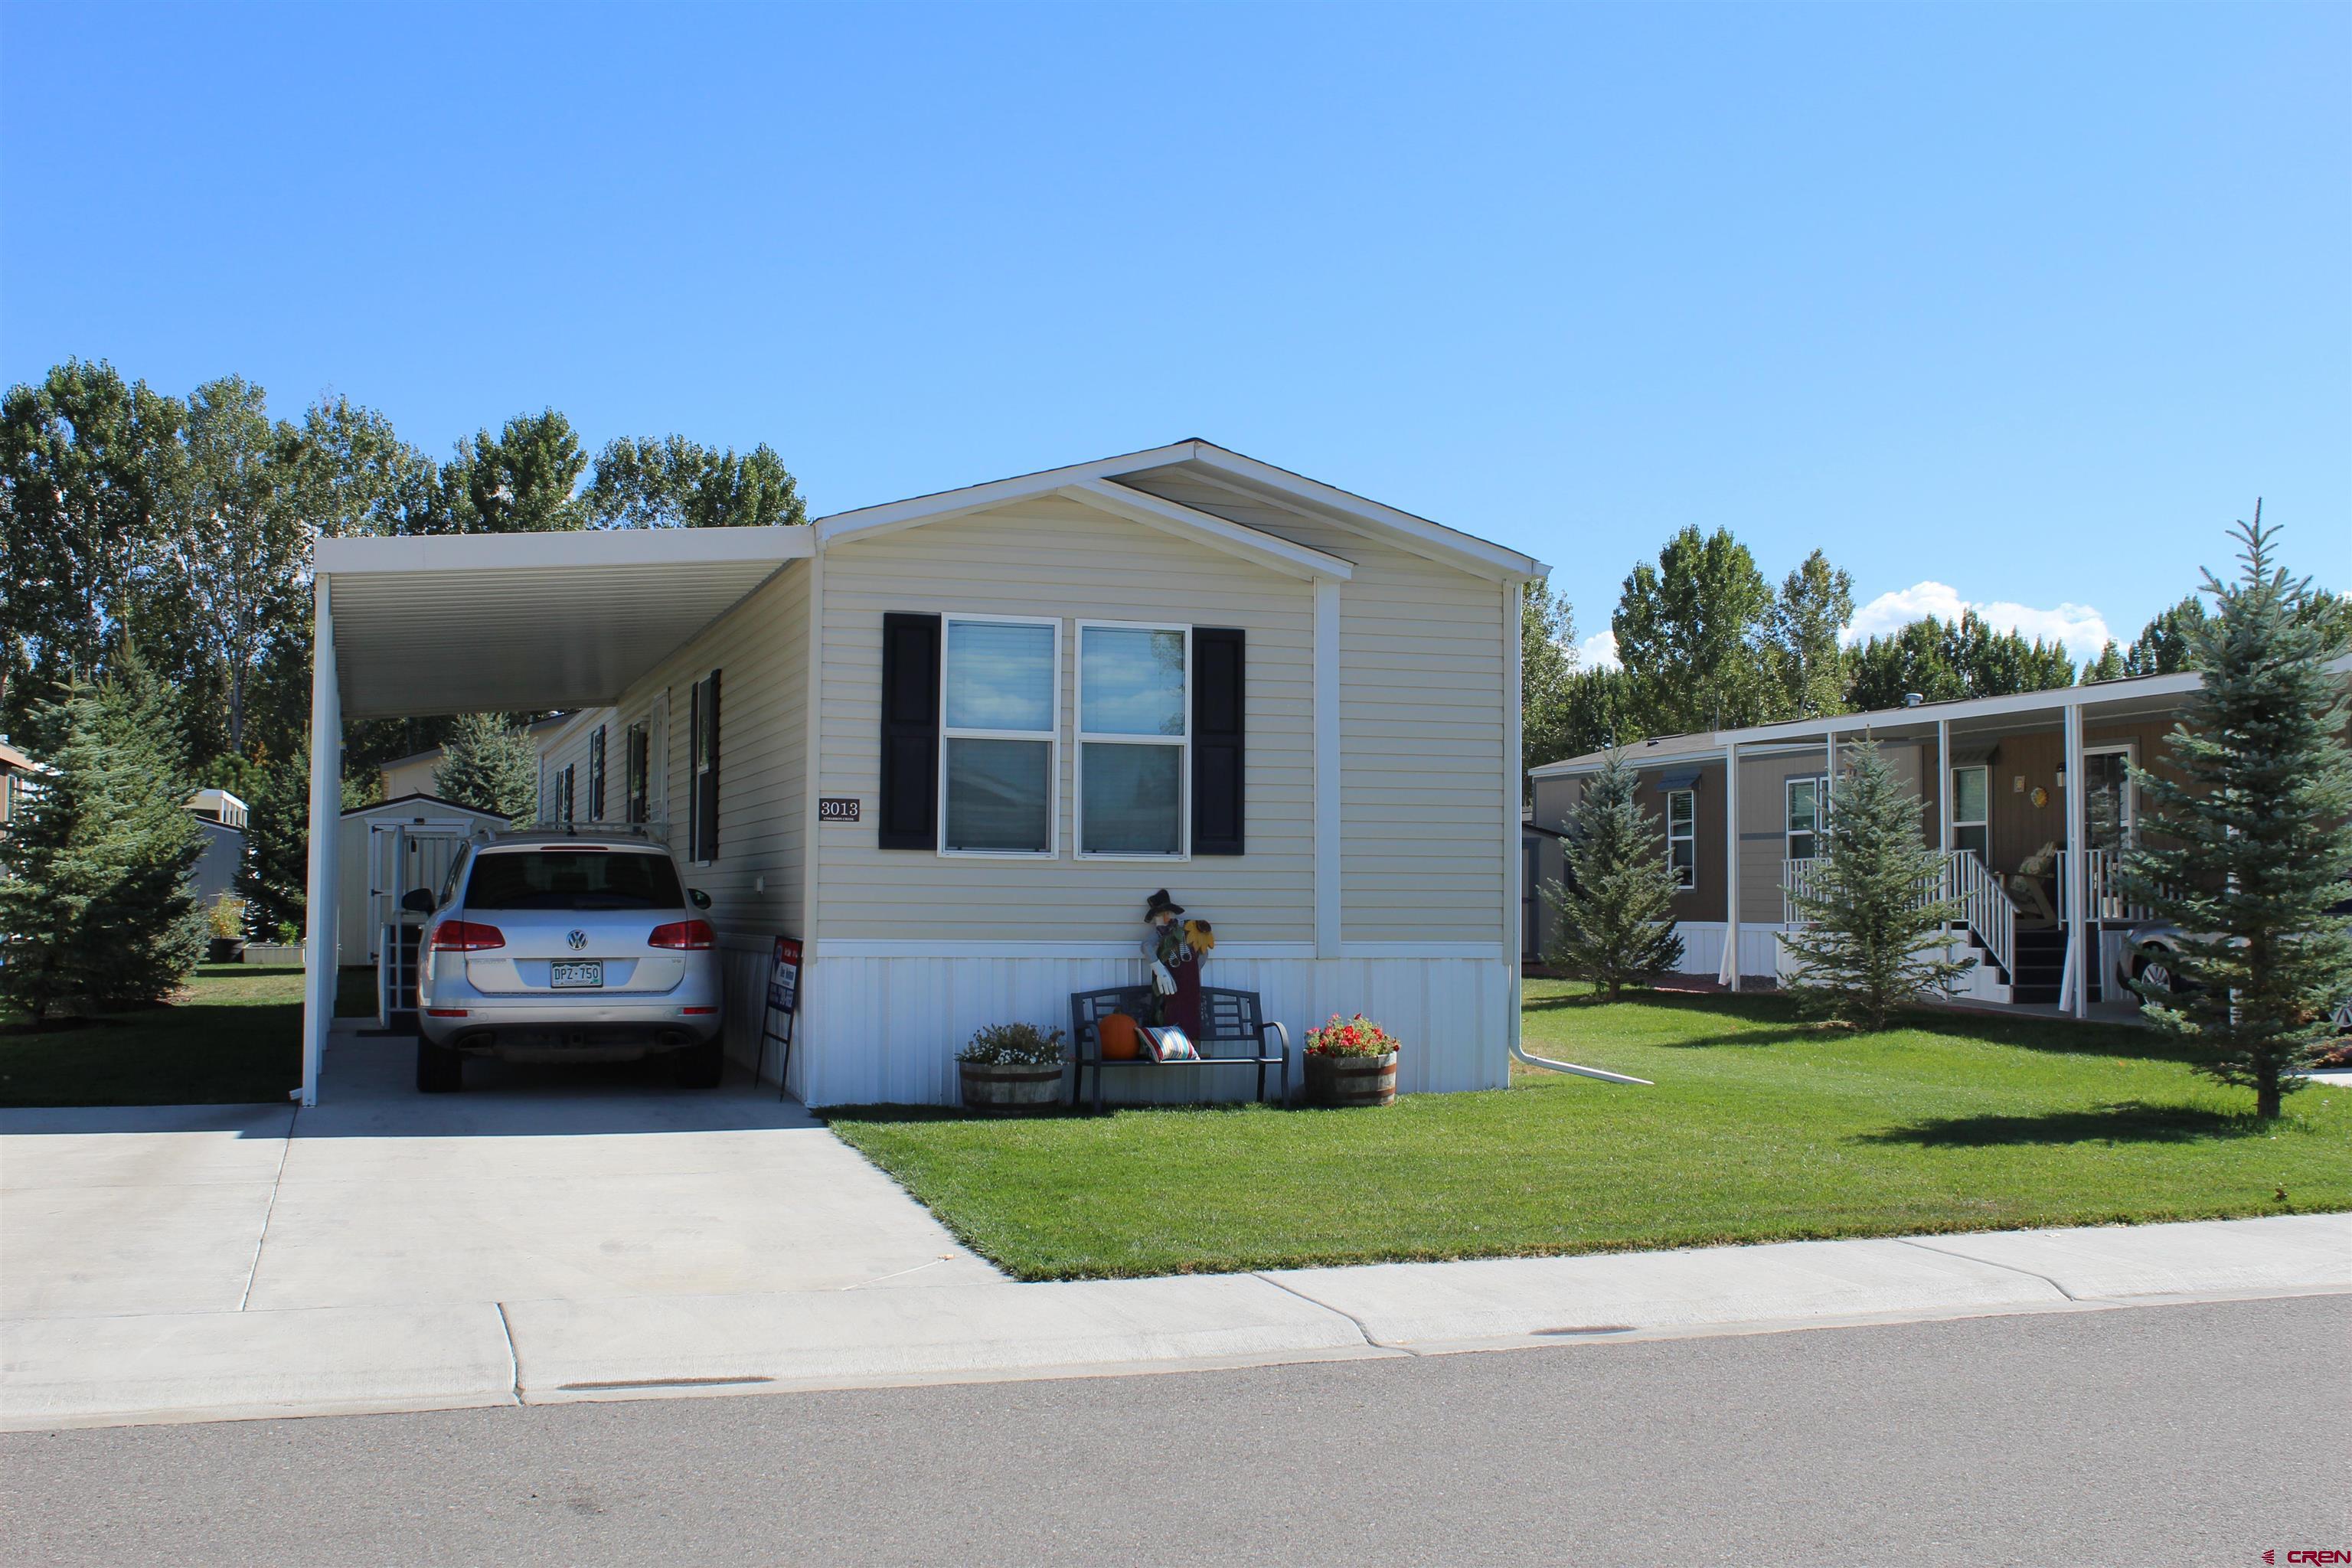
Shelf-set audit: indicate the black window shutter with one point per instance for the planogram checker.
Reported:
(1219, 692)
(910, 817)
(706, 788)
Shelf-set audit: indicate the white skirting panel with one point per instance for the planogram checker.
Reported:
(886, 1031)
(1760, 948)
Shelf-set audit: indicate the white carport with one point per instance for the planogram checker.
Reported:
(472, 623)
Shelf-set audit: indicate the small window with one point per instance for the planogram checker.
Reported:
(565, 782)
(1682, 837)
(636, 757)
(576, 880)
(1133, 745)
(1971, 800)
(597, 775)
(1002, 686)
(1804, 818)
(702, 770)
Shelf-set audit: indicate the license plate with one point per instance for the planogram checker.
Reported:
(572, 974)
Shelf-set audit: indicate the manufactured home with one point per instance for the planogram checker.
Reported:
(950, 746)
(2031, 797)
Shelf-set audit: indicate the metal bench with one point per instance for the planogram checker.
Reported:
(1229, 1019)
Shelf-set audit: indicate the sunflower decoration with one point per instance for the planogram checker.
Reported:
(1198, 937)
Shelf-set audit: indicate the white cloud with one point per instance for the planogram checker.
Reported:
(1598, 651)
(2081, 628)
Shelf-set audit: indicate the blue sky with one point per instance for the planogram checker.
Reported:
(2024, 304)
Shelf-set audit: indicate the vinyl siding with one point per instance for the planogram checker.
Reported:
(1057, 558)
(761, 648)
(1423, 726)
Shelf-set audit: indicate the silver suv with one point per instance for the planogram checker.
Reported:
(560, 946)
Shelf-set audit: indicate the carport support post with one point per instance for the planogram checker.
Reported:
(2075, 906)
(319, 953)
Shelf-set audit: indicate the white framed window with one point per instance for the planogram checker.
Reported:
(1682, 837)
(569, 777)
(1803, 832)
(1134, 739)
(1971, 812)
(999, 729)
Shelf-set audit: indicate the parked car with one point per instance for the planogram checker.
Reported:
(561, 946)
(2149, 952)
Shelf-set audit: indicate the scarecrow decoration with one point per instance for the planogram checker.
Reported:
(1172, 949)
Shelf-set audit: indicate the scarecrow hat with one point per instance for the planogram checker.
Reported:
(1160, 903)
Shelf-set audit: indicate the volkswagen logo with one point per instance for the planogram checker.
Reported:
(578, 938)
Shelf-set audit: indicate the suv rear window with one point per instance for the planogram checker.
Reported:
(573, 880)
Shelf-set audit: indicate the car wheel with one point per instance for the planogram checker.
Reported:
(2157, 974)
(439, 1068)
(702, 1065)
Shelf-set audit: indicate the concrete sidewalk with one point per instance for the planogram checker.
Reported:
(137, 1366)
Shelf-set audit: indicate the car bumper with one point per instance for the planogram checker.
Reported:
(453, 1013)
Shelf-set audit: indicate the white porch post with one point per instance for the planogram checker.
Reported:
(1729, 974)
(2078, 960)
(1944, 784)
(319, 957)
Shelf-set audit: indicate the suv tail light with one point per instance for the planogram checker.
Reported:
(689, 934)
(466, 936)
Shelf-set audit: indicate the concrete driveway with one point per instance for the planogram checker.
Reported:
(534, 1184)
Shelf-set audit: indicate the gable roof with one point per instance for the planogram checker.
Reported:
(1105, 483)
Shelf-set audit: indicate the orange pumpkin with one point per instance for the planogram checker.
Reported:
(1116, 1032)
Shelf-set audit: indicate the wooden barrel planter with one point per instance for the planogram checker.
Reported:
(996, 1090)
(1351, 1080)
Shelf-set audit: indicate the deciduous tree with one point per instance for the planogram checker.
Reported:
(672, 482)
(1690, 634)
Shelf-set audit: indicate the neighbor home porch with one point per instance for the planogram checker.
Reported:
(2033, 801)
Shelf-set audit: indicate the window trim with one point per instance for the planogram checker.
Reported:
(1052, 736)
(566, 791)
(1081, 738)
(1819, 783)
(1691, 837)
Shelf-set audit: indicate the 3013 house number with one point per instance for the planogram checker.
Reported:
(836, 808)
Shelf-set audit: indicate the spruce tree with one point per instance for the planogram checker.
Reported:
(1615, 923)
(94, 893)
(1871, 937)
(491, 766)
(2248, 845)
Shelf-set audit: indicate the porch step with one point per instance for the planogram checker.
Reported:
(2041, 967)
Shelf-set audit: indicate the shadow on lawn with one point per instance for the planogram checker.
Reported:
(2123, 1121)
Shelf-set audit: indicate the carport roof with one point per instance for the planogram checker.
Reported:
(507, 622)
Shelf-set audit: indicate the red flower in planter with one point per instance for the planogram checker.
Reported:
(1356, 1037)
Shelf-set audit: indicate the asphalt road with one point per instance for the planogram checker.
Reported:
(2165, 1436)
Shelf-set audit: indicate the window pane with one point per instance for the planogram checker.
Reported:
(1131, 682)
(1967, 795)
(1800, 846)
(1682, 855)
(1000, 677)
(1977, 838)
(1132, 800)
(1679, 807)
(1801, 808)
(996, 794)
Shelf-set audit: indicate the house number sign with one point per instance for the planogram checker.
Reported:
(836, 808)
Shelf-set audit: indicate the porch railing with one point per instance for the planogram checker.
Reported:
(1984, 905)
(2103, 872)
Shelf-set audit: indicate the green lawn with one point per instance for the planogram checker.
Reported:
(1761, 1128)
(233, 1037)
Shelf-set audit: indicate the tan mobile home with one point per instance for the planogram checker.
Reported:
(952, 743)
(1740, 812)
